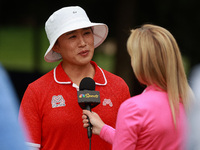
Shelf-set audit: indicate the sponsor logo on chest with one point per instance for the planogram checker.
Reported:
(57, 101)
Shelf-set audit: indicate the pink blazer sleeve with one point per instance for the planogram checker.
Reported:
(107, 133)
(127, 127)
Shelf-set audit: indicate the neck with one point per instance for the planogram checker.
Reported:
(76, 73)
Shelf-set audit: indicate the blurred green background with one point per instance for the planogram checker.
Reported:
(23, 41)
(17, 51)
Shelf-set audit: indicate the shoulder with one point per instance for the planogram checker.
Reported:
(147, 100)
(115, 79)
(135, 101)
(132, 102)
(117, 84)
(39, 88)
(133, 108)
(43, 81)
(111, 75)
(131, 114)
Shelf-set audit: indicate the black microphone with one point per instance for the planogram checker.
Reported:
(88, 98)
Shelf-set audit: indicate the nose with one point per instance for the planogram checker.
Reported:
(82, 41)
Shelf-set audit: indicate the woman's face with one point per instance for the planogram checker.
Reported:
(76, 47)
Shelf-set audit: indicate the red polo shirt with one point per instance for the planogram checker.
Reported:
(52, 114)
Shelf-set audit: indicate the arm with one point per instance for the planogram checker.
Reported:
(29, 113)
(127, 126)
(95, 120)
(98, 126)
(107, 133)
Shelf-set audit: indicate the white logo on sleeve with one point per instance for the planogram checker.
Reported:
(57, 101)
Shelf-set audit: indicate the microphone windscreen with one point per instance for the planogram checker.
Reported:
(87, 83)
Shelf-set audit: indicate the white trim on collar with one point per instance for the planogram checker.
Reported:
(54, 75)
(103, 77)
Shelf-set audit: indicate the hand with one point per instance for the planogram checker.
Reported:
(95, 120)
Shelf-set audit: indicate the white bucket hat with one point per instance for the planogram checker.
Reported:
(68, 19)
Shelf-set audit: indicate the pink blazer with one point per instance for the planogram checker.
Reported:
(144, 122)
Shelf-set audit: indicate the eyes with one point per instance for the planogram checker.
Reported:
(72, 37)
(85, 33)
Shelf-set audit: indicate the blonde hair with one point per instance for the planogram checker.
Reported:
(156, 60)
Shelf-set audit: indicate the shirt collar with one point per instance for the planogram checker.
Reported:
(62, 78)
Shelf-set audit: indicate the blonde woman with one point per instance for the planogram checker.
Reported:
(155, 119)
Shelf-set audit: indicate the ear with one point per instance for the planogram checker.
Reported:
(56, 48)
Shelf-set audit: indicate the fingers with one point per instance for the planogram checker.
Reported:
(85, 125)
(85, 121)
(84, 116)
(87, 112)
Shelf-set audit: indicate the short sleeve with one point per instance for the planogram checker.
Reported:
(29, 113)
(127, 126)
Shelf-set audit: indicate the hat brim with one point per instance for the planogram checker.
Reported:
(100, 32)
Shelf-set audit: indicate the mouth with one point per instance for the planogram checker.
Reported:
(84, 52)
